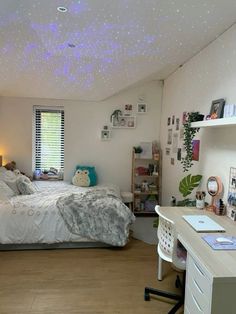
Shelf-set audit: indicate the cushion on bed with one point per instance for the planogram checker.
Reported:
(5, 192)
(85, 176)
(25, 186)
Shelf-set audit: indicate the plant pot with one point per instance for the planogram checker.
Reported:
(200, 117)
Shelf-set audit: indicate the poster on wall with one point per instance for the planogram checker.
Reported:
(173, 119)
(184, 117)
(175, 143)
(168, 121)
(167, 151)
(177, 124)
(172, 161)
(169, 137)
(196, 148)
(179, 154)
(181, 133)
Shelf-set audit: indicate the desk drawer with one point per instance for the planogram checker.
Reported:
(192, 304)
(202, 299)
(198, 276)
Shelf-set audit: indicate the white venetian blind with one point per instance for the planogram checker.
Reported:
(49, 138)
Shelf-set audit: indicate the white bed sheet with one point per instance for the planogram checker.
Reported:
(35, 218)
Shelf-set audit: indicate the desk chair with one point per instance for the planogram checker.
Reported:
(168, 250)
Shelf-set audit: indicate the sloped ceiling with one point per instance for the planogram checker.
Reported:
(99, 47)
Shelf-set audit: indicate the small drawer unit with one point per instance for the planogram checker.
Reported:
(198, 288)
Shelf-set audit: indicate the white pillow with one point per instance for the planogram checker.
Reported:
(12, 185)
(5, 192)
(25, 186)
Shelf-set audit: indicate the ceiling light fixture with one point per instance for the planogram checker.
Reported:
(62, 9)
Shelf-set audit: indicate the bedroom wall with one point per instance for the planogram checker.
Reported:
(209, 75)
(83, 123)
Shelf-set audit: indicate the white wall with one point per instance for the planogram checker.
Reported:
(83, 123)
(209, 75)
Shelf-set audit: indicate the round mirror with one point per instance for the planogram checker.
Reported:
(214, 188)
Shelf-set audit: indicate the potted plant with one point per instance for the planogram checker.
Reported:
(189, 134)
(137, 151)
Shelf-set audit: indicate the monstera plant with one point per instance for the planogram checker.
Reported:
(186, 186)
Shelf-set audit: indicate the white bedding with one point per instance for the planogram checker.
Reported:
(35, 218)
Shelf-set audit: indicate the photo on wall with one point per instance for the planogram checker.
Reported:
(167, 151)
(173, 119)
(177, 124)
(168, 121)
(169, 136)
(172, 161)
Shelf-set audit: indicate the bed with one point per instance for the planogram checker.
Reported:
(37, 221)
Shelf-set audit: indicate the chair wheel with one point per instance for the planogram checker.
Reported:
(177, 282)
(146, 296)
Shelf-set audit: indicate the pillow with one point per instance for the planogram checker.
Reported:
(12, 185)
(25, 186)
(5, 191)
(85, 176)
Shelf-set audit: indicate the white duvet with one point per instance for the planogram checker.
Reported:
(35, 218)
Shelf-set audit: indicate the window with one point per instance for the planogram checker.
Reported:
(49, 138)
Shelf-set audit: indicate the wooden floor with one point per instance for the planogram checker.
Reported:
(84, 281)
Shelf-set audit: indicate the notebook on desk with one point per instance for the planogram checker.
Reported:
(202, 223)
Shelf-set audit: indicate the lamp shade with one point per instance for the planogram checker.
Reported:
(0, 161)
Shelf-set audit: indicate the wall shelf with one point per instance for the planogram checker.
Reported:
(223, 122)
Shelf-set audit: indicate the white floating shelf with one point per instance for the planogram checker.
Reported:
(223, 122)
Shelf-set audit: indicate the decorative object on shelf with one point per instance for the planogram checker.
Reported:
(141, 108)
(214, 188)
(186, 186)
(229, 110)
(217, 109)
(189, 134)
(137, 151)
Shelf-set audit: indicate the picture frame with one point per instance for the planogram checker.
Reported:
(147, 150)
(142, 108)
(128, 110)
(217, 109)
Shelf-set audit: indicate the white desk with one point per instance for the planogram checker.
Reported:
(210, 274)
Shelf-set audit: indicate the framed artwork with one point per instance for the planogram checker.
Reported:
(172, 161)
(128, 110)
(168, 121)
(147, 150)
(123, 122)
(179, 154)
(142, 108)
(167, 151)
(217, 109)
(184, 117)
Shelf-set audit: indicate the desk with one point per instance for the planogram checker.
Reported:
(210, 274)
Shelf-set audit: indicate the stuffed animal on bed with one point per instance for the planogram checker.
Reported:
(84, 176)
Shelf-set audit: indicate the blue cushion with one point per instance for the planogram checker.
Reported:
(84, 176)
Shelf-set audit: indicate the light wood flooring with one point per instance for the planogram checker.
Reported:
(83, 281)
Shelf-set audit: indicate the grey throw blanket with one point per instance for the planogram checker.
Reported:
(97, 215)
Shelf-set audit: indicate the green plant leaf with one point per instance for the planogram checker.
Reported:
(188, 183)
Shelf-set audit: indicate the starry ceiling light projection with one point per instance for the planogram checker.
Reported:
(91, 49)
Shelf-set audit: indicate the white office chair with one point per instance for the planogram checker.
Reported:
(168, 250)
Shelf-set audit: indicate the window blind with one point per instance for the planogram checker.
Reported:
(49, 138)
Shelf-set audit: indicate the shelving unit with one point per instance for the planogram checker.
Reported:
(146, 186)
(223, 122)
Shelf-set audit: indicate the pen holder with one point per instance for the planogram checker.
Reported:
(220, 210)
(200, 204)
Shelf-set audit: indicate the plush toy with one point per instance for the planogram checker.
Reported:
(81, 178)
(11, 165)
